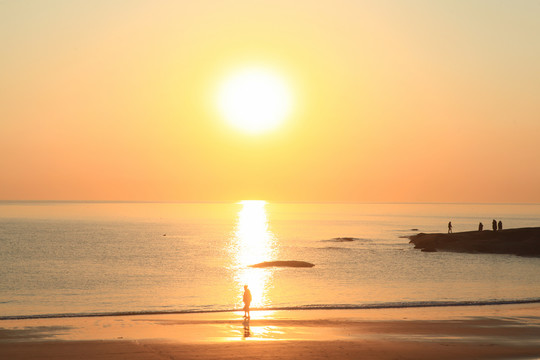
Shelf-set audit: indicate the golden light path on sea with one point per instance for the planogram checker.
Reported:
(253, 243)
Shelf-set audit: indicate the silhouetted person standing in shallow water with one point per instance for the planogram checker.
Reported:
(449, 227)
(494, 225)
(247, 301)
(500, 225)
(480, 227)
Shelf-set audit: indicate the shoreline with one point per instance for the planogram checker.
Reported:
(382, 306)
(498, 331)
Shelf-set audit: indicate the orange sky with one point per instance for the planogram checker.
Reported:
(415, 101)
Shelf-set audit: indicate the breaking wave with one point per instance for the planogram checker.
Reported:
(389, 305)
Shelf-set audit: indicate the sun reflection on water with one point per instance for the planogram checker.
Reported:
(253, 243)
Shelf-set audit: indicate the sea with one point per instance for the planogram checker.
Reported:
(70, 259)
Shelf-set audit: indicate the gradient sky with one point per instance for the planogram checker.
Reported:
(396, 101)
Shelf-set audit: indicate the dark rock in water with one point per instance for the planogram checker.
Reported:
(343, 239)
(522, 242)
(290, 263)
(414, 229)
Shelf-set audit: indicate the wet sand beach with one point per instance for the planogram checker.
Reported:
(468, 332)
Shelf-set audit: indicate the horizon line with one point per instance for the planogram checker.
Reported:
(5, 201)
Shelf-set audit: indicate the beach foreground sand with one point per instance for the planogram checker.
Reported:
(483, 332)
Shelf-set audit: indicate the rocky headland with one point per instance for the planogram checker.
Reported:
(522, 242)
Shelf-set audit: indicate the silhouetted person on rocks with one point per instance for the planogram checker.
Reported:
(500, 225)
(247, 301)
(449, 227)
(480, 227)
(494, 225)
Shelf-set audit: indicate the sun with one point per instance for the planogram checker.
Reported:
(254, 99)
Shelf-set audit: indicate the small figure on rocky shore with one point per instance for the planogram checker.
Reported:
(494, 225)
(449, 227)
(500, 225)
(480, 226)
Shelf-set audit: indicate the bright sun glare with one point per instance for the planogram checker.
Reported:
(254, 99)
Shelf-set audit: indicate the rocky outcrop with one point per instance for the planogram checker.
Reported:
(344, 239)
(522, 241)
(290, 263)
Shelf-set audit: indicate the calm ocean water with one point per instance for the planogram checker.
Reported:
(70, 259)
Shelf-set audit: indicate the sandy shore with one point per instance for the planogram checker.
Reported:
(483, 332)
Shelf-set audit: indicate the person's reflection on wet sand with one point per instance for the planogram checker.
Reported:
(247, 332)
